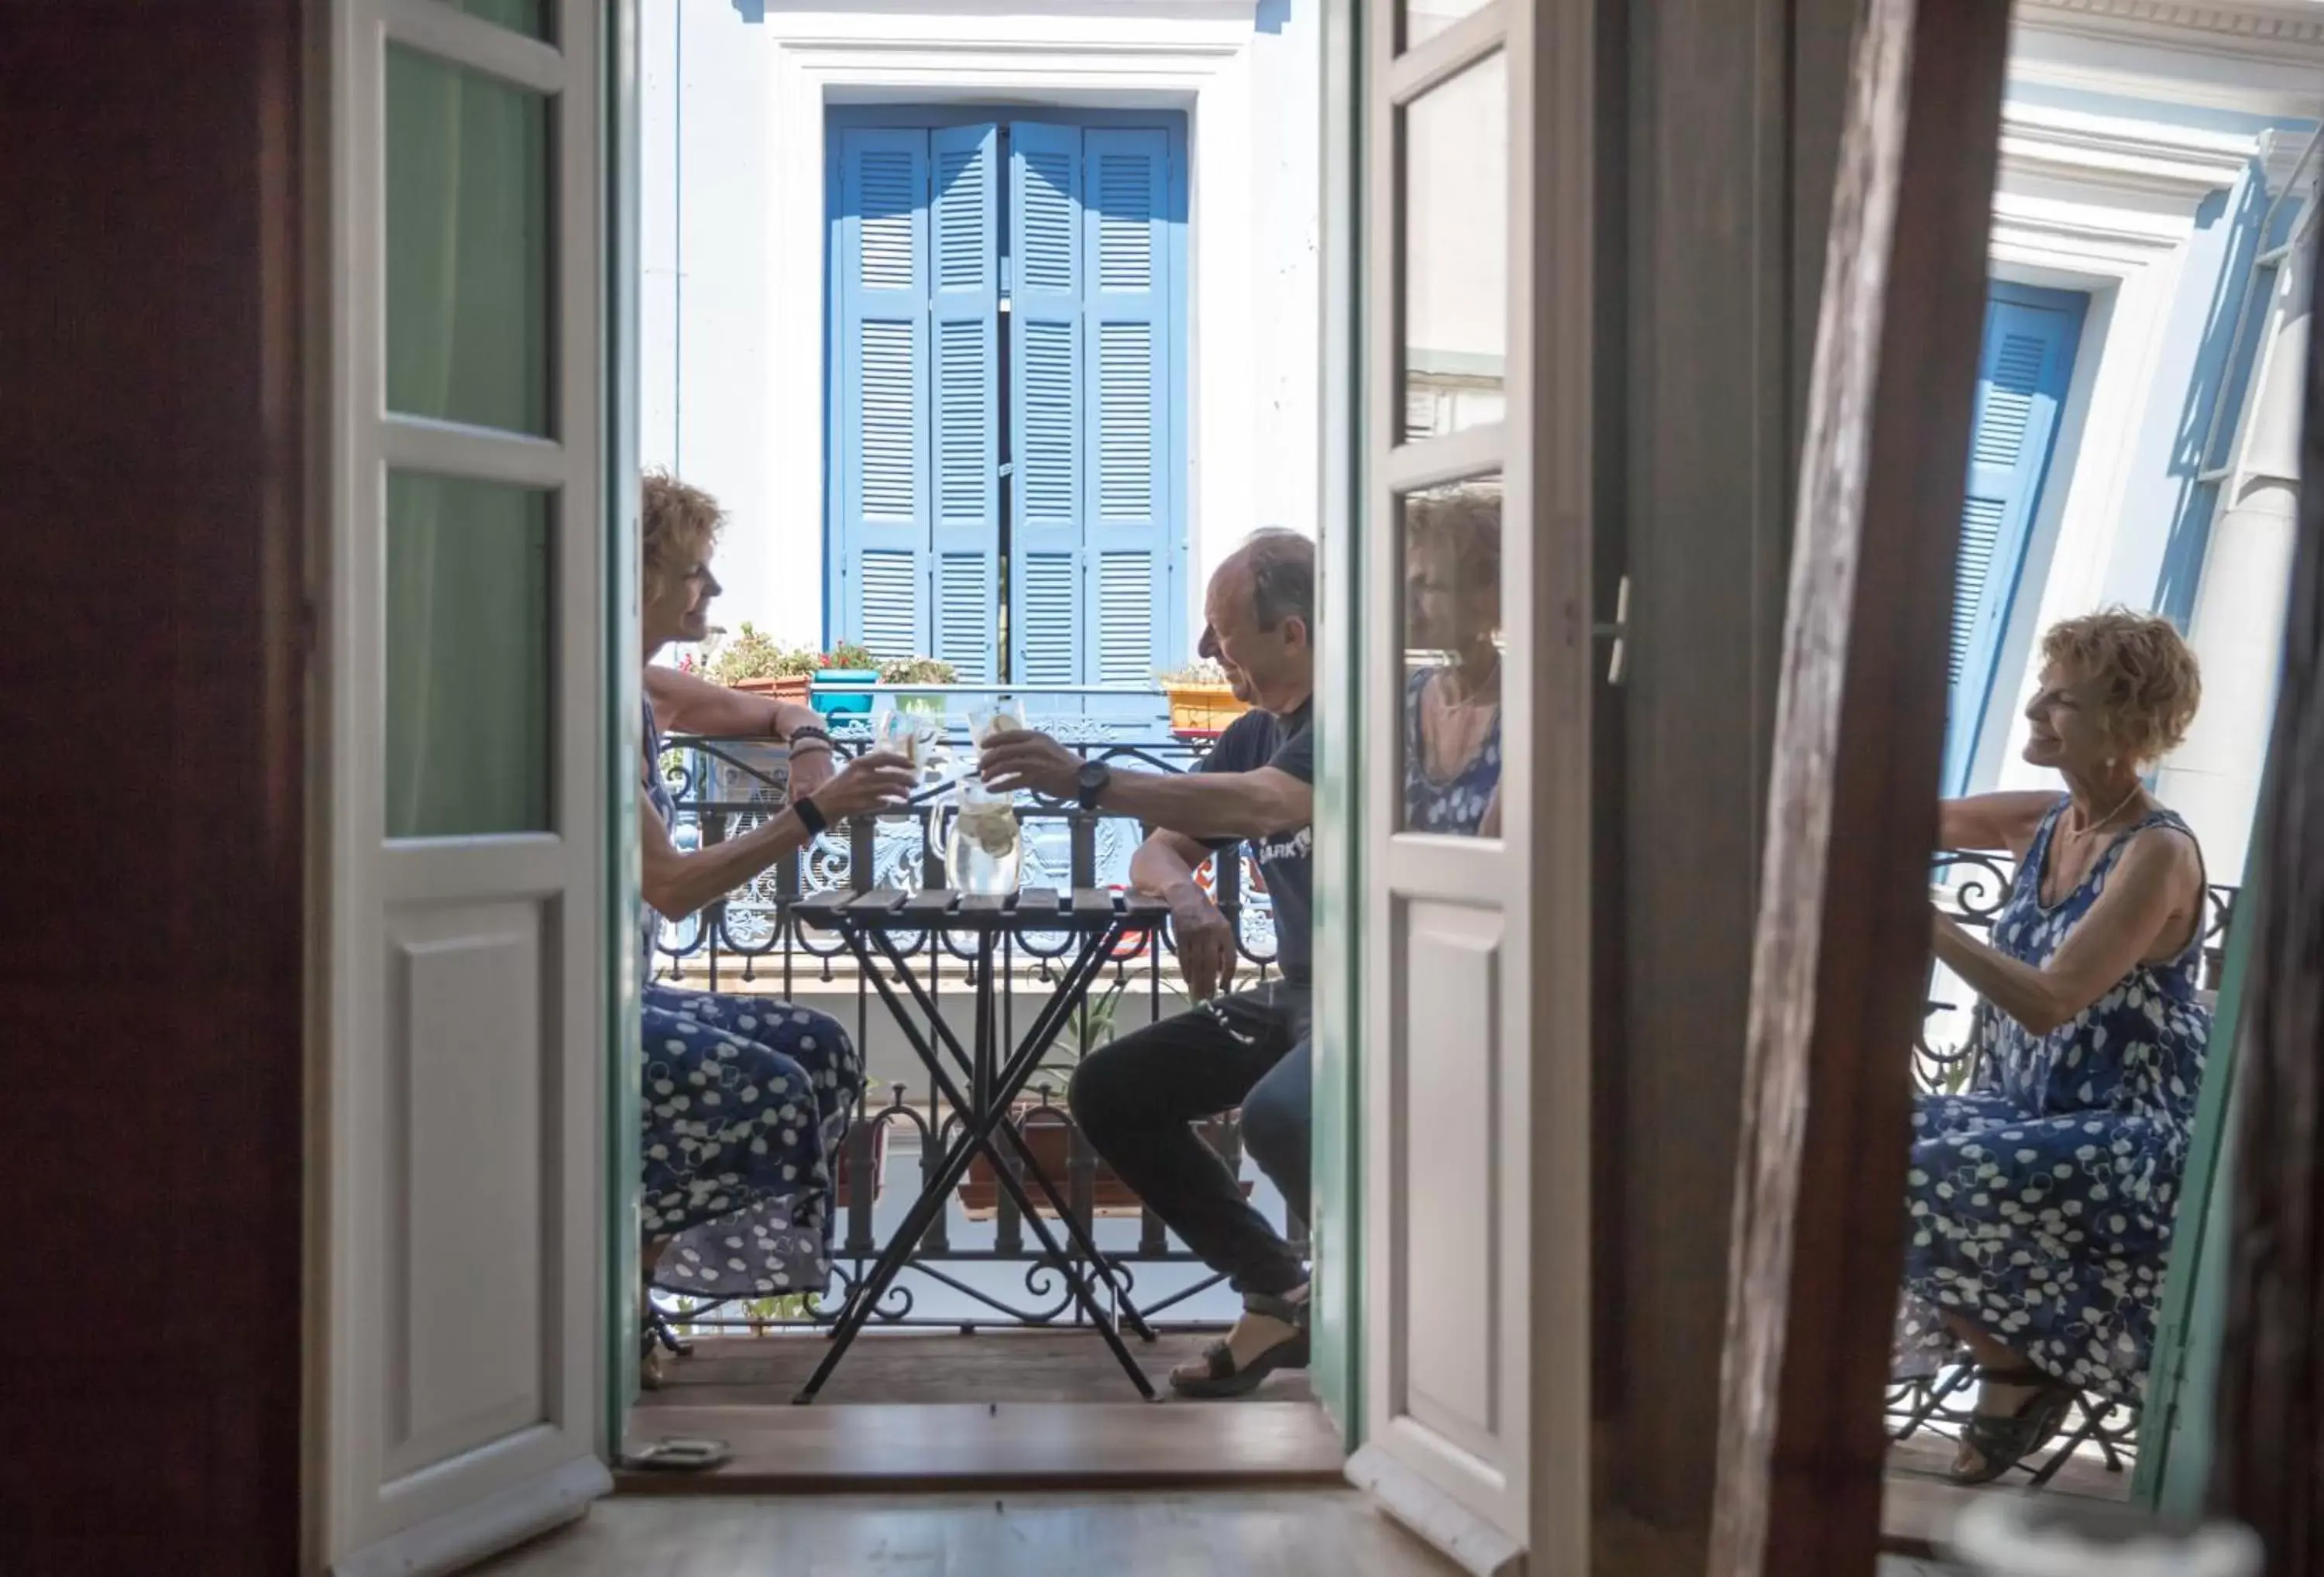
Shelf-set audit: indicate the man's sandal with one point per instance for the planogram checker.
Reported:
(2004, 1440)
(1219, 1376)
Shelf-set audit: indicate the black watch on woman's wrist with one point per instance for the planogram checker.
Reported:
(810, 815)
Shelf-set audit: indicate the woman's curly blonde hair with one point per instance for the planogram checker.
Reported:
(2151, 682)
(1464, 520)
(680, 526)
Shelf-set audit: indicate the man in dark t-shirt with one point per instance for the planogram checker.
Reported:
(1138, 1099)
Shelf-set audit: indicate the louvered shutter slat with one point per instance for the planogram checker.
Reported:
(1127, 175)
(1046, 407)
(879, 550)
(964, 398)
(2023, 370)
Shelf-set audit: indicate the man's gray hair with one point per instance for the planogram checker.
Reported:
(1282, 566)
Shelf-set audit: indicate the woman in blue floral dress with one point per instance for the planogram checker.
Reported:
(745, 1097)
(1453, 708)
(2040, 1203)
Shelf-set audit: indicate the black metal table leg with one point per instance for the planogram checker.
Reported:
(1072, 991)
(975, 1137)
(999, 1087)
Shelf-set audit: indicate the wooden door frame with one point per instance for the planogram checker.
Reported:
(1842, 945)
(2270, 1414)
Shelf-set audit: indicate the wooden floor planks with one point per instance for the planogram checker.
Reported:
(1918, 1510)
(965, 1444)
(991, 1366)
(1235, 1532)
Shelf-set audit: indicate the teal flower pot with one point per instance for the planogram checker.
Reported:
(842, 703)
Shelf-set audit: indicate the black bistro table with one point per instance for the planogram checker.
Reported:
(1097, 923)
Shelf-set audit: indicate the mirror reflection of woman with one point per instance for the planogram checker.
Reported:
(1453, 706)
(2041, 1201)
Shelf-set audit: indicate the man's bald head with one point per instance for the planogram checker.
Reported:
(1262, 619)
(1275, 569)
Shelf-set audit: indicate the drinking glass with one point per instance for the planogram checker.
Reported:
(1001, 714)
(903, 733)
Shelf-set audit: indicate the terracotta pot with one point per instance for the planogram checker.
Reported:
(786, 687)
(843, 1170)
(1202, 711)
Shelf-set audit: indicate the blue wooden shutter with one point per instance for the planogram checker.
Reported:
(1093, 327)
(1126, 303)
(964, 395)
(880, 413)
(2022, 372)
(1046, 403)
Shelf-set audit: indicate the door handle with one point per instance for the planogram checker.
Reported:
(1618, 632)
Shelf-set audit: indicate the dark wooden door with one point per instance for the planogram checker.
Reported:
(151, 941)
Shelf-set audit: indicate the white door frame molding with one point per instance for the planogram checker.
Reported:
(457, 1371)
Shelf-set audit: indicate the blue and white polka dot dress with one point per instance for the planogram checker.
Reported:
(745, 1100)
(2040, 1203)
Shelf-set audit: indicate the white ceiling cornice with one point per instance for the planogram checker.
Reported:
(2258, 23)
(2180, 164)
(2256, 57)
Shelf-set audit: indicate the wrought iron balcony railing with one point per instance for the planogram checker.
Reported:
(752, 940)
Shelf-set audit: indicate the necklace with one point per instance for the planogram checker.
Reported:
(2089, 827)
(1473, 693)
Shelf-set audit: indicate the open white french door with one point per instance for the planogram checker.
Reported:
(459, 1156)
(1474, 949)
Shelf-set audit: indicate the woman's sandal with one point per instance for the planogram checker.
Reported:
(2003, 1439)
(655, 1337)
(1223, 1379)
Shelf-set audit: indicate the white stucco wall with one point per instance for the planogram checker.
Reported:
(2127, 146)
(734, 213)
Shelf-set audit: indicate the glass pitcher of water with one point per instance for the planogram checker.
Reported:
(984, 852)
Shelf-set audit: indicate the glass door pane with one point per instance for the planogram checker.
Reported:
(1451, 736)
(469, 567)
(468, 215)
(1454, 252)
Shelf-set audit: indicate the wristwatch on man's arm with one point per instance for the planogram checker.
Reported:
(1092, 782)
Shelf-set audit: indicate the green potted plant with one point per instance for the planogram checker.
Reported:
(749, 659)
(1202, 703)
(844, 664)
(919, 671)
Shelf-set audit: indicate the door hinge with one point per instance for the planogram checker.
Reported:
(1618, 632)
